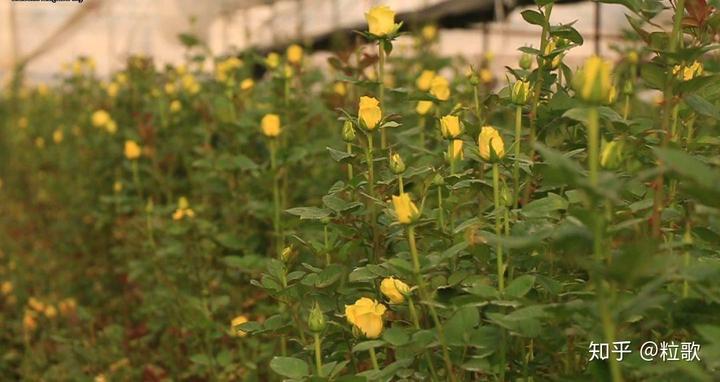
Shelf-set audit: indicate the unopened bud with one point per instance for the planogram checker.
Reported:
(628, 88)
(612, 154)
(316, 319)
(520, 92)
(438, 180)
(526, 61)
(348, 132)
(396, 164)
(288, 254)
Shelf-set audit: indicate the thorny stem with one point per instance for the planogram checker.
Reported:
(371, 186)
(349, 166)
(276, 197)
(373, 359)
(516, 165)
(416, 323)
(498, 227)
(381, 80)
(606, 317)
(441, 213)
(426, 297)
(318, 354)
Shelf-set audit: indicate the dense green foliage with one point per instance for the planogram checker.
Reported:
(159, 226)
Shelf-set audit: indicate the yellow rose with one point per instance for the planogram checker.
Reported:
(67, 306)
(117, 186)
(381, 20)
(270, 125)
(40, 142)
(111, 127)
(6, 288)
(175, 106)
(424, 81)
(593, 83)
(450, 126)
(36, 305)
(395, 290)
(58, 136)
(132, 150)
(29, 322)
(272, 60)
(23, 122)
(170, 88)
(429, 32)
(100, 118)
(489, 137)
(190, 84)
(237, 321)
(247, 84)
(113, 89)
(486, 76)
(183, 209)
(366, 315)
(340, 89)
(405, 210)
(369, 112)
(455, 150)
(294, 54)
(439, 88)
(50, 312)
(423, 107)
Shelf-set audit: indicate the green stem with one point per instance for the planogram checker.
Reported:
(441, 213)
(401, 185)
(626, 108)
(381, 79)
(371, 186)
(318, 354)
(276, 197)
(516, 164)
(593, 138)
(416, 323)
(327, 245)
(422, 131)
(478, 111)
(136, 179)
(426, 297)
(373, 359)
(349, 166)
(498, 228)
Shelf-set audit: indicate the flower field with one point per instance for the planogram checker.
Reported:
(404, 217)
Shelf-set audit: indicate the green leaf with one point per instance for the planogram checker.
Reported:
(229, 240)
(290, 367)
(520, 286)
(702, 106)
(533, 17)
(459, 327)
(654, 75)
(200, 359)
(396, 336)
(366, 345)
(541, 208)
(339, 156)
(309, 213)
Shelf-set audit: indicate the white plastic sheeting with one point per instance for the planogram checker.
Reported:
(115, 30)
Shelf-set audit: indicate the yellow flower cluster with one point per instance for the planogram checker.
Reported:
(226, 68)
(102, 119)
(183, 209)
